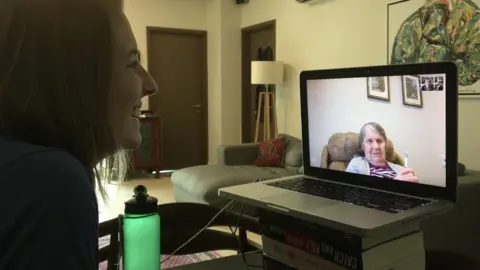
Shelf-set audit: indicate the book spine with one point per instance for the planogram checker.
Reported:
(321, 232)
(270, 263)
(334, 246)
(333, 251)
(295, 258)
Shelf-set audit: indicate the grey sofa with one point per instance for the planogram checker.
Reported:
(200, 184)
(458, 230)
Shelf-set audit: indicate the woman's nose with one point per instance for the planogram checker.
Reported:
(149, 86)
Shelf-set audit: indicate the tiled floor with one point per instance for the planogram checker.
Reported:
(161, 188)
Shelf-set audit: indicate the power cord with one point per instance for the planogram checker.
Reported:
(230, 204)
(200, 231)
(234, 233)
(238, 221)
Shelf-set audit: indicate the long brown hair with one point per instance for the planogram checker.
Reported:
(55, 73)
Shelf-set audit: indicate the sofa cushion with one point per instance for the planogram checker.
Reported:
(270, 153)
(343, 146)
(292, 159)
(205, 180)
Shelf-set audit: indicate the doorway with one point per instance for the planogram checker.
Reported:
(253, 37)
(177, 60)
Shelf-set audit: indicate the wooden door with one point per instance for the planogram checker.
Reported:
(177, 60)
(253, 37)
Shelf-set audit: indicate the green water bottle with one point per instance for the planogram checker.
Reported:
(141, 232)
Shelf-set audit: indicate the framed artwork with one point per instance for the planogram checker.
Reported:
(378, 88)
(445, 30)
(412, 95)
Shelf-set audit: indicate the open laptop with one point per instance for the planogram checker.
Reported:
(355, 182)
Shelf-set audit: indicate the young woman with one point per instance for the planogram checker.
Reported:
(70, 91)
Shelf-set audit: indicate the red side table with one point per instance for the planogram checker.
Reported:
(147, 156)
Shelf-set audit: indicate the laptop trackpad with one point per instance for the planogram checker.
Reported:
(298, 201)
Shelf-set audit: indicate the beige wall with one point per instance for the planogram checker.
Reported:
(224, 67)
(328, 34)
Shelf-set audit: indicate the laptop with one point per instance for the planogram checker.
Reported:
(379, 149)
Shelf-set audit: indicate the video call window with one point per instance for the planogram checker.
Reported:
(386, 127)
(432, 83)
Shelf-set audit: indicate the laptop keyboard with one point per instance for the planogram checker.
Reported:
(379, 200)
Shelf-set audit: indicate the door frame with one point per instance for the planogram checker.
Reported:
(246, 70)
(204, 87)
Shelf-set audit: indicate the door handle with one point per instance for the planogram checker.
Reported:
(197, 106)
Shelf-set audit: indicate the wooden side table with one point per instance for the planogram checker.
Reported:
(147, 156)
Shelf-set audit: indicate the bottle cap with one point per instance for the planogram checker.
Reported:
(141, 203)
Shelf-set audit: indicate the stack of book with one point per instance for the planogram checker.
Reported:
(289, 243)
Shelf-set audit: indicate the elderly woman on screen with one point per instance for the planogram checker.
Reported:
(372, 161)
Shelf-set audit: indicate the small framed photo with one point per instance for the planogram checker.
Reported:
(412, 96)
(378, 88)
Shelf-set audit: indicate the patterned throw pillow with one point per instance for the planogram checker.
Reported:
(270, 153)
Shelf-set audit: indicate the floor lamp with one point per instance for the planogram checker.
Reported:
(266, 73)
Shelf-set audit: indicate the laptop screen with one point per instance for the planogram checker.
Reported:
(387, 127)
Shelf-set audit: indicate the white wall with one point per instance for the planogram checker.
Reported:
(342, 105)
(214, 45)
(339, 33)
(231, 73)
(224, 77)
(469, 133)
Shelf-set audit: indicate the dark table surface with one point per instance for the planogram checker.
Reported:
(254, 259)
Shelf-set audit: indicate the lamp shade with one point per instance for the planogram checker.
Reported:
(267, 72)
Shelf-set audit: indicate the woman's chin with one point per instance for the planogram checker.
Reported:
(132, 141)
(131, 135)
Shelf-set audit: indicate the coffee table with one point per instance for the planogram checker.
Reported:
(254, 259)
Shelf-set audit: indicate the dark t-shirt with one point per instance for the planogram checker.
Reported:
(48, 209)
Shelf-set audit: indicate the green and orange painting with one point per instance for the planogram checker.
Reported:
(442, 30)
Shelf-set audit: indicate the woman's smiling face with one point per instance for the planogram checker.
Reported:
(130, 82)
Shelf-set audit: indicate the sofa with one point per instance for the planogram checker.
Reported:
(200, 184)
(456, 231)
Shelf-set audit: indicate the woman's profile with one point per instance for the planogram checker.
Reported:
(71, 87)
(372, 160)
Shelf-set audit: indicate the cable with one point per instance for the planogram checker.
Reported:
(234, 232)
(238, 221)
(199, 232)
(208, 225)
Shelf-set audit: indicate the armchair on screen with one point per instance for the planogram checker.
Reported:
(342, 147)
